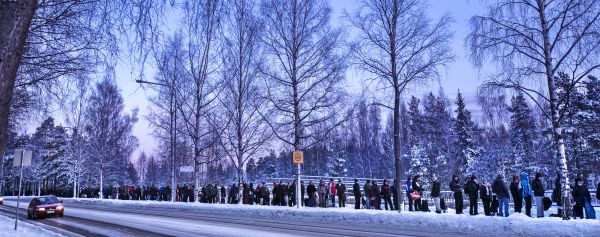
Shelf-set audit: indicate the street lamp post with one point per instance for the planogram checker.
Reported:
(173, 127)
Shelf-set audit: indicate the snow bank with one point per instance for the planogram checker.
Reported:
(7, 226)
(516, 224)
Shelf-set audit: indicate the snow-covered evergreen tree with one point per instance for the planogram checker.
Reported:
(522, 134)
(465, 141)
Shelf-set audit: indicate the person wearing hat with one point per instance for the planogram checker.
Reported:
(538, 194)
(580, 195)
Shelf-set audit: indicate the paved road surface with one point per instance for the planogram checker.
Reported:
(98, 220)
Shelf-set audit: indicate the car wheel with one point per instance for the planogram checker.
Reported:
(28, 216)
(61, 214)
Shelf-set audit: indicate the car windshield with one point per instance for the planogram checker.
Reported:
(47, 200)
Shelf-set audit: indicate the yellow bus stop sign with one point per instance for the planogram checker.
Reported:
(298, 157)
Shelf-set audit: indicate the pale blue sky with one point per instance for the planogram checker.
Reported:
(458, 75)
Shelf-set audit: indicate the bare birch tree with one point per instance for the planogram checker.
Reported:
(44, 43)
(242, 55)
(400, 47)
(108, 132)
(201, 87)
(531, 41)
(305, 73)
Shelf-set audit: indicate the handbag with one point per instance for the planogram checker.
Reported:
(415, 195)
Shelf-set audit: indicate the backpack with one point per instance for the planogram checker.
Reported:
(525, 185)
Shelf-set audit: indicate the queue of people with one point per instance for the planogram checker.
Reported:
(495, 196)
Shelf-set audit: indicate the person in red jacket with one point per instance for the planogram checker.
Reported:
(332, 192)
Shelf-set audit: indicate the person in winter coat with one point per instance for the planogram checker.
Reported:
(395, 200)
(266, 195)
(387, 198)
(367, 188)
(485, 193)
(322, 191)
(251, 194)
(517, 193)
(341, 192)
(435, 194)
(332, 192)
(499, 187)
(245, 194)
(598, 192)
(356, 192)
(311, 190)
(375, 196)
(581, 195)
(472, 189)
(292, 194)
(557, 196)
(538, 194)
(416, 186)
(408, 187)
(302, 191)
(527, 192)
(458, 197)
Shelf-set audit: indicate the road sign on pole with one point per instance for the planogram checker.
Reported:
(22, 158)
(298, 157)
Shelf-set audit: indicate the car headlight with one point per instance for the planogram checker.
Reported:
(41, 209)
(1, 199)
(59, 208)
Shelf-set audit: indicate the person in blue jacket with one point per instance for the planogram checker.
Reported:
(527, 192)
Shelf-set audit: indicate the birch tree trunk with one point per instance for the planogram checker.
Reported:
(15, 19)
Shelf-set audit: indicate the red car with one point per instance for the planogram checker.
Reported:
(45, 206)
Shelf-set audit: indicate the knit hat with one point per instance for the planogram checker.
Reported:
(577, 180)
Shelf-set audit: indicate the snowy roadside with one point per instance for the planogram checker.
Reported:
(7, 226)
(515, 225)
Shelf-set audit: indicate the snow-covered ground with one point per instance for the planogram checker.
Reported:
(7, 229)
(514, 225)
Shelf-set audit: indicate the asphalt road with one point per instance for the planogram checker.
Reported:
(100, 220)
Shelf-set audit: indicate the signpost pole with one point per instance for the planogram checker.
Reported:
(298, 194)
(20, 182)
(298, 159)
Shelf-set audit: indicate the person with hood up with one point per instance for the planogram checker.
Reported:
(457, 189)
(499, 187)
(527, 192)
